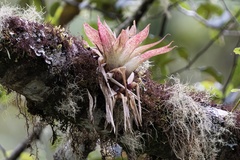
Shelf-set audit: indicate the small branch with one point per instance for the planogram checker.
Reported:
(235, 107)
(193, 14)
(228, 10)
(233, 68)
(3, 151)
(163, 25)
(25, 144)
(165, 17)
(208, 45)
(215, 24)
(231, 33)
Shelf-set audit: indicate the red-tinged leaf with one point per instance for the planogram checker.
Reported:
(143, 48)
(133, 30)
(121, 41)
(147, 55)
(106, 37)
(134, 42)
(93, 35)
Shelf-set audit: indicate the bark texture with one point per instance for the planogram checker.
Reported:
(53, 70)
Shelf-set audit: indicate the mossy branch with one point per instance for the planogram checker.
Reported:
(58, 76)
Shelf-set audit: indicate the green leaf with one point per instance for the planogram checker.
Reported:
(55, 18)
(236, 76)
(183, 53)
(185, 5)
(237, 50)
(208, 9)
(213, 72)
(23, 155)
(235, 90)
(54, 8)
(95, 155)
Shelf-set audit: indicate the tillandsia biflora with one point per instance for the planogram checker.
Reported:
(119, 58)
(182, 122)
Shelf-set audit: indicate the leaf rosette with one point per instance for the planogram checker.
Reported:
(119, 57)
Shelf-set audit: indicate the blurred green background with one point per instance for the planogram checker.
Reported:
(192, 25)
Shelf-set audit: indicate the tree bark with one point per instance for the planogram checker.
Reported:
(53, 70)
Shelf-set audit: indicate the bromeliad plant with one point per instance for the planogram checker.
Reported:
(119, 57)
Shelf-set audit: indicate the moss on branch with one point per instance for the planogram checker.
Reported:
(58, 76)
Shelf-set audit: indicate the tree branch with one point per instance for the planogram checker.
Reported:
(233, 68)
(26, 143)
(57, 73)
(208, 45)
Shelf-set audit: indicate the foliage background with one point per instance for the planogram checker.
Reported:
(216, 69)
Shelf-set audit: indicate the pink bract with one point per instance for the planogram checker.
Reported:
(124, 50)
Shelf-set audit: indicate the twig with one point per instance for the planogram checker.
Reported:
(231, 33)
(192, 14)
(163, 25)
(25, 144)
(165, 17)
(235, 107)
(233, 68)
(137, 16)
(226, 8)
(209, 23)
(171, 6)
(209, 44)
(3, 151)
